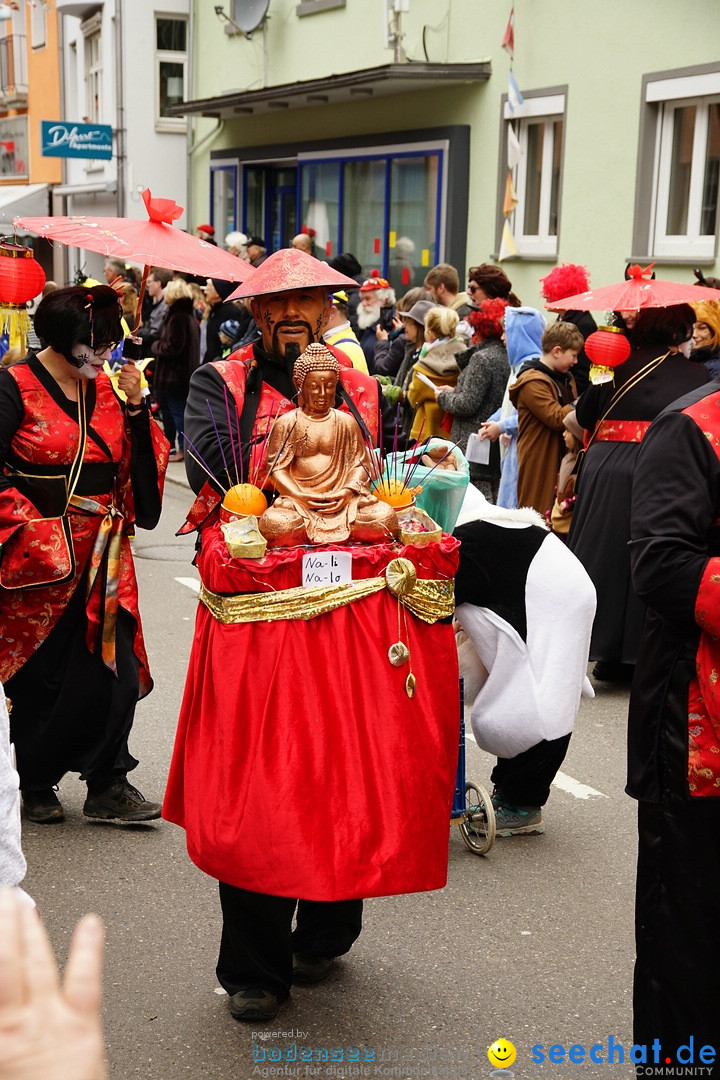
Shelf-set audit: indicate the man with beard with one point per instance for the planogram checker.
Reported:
(230, 410)
(375, 295)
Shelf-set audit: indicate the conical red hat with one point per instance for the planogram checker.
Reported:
(291, 269)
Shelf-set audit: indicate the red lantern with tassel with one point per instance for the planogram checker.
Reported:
(607, 347)
(21, 278)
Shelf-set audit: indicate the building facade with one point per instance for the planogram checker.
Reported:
(124, 63)
(387, 129)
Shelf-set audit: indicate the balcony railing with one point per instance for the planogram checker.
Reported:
(13, 68)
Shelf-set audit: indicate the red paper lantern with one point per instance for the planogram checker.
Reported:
(21, 277)
(607, 346)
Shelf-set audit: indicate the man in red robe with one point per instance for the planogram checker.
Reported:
(296, 738)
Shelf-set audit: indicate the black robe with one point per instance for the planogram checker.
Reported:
(675, 514)
(600, 529)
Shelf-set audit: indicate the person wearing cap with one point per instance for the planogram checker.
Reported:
(228, 334)
(339, 333)
(291, 302)
(256, 250)
(391, 346)
(376, 308)
(413, 322)
(217, 292)
(206, 233)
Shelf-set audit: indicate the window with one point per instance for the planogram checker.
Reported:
(382, 207)
(687, 166)
(171, 70)
(223, 185)
(93, 77)
(13, 146)
(538, 126)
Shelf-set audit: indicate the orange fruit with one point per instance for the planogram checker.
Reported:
(393, 493)
(245, 499)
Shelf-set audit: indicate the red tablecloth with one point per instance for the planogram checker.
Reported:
(301, 768)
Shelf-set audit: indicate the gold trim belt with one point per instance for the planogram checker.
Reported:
(429, 600)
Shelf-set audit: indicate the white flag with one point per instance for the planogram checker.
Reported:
(514, 152)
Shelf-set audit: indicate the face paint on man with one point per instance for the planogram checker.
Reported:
(89, 362)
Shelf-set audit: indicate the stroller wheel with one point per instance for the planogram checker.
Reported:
(478, 826)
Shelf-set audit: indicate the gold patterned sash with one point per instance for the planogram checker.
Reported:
(429, 600)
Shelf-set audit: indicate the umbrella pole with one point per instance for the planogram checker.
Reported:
(141, 297)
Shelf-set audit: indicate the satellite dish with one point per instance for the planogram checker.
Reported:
(249, 14)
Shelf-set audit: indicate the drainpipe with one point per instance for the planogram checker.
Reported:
(120, 109)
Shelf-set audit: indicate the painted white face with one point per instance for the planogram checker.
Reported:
(90, 361)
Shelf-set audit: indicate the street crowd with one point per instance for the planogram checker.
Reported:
(597, 497)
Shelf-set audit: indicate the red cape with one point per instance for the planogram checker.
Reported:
(301, 767)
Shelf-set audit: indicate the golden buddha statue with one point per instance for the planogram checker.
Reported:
(319, 463)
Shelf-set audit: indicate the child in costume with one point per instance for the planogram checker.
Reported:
(437, 363)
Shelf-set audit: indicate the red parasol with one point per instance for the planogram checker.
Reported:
(154, 242)
(639, 291)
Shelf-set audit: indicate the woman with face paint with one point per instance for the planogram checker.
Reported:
(72, 657)
(619, 413)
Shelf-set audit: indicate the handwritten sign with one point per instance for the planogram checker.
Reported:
(323, 568)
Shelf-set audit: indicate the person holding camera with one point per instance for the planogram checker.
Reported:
(376, 310)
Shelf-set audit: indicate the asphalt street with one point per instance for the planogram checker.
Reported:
(532, 943)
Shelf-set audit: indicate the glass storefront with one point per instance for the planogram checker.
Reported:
(382, 207)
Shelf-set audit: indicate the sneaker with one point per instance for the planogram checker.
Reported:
(309, 967)
(43, 807)
(516, 820)
(254, 1004)
(121, 802)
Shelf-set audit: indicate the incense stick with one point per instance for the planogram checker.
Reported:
(230, 430)
(263, 438)
(410, 466)
(217, 436)
(203, 464)
(453, 447)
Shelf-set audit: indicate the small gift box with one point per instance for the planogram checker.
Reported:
(243, 538)
(417, 527)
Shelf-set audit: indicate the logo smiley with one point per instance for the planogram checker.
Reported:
(501, 1054)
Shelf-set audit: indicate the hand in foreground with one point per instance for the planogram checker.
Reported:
(489, 430)
(129, 382)
(380, 334)
(48, 1031)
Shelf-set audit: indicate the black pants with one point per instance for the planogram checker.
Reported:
(258, 941)
(677, 927)
(525, 780)
(70, 713)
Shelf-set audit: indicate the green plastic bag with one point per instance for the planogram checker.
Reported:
(443, 490)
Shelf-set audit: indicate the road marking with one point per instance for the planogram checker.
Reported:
(190, 582)
(563, 781)
(574, 787)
